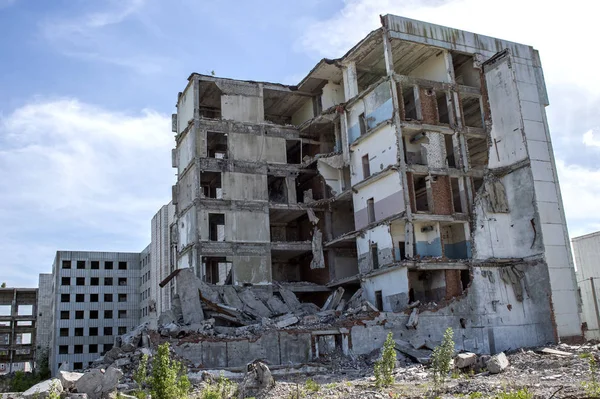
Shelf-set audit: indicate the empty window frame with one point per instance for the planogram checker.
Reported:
(442, 106)
(78, 349)
(108, 265)
(63, 350)
(455, 187)
(94, 265)
(211, 184)
(64, 332)
(362, 123)
(401, 250)
(108, 314)
(66, 264)
(217, 270)
(79, 331)
(216, 226)
(93, 348)
(420, 190)
(79, 297)
(365, 166)
(122, 281)
(79, 314)
(122, 298)
(108, 297)
(122, 330)
(93, 314)
(293, 151)
(80, 281)
(64, 314)
(93, 331)
(371, 210)
(472, 114)
(216, 145)
(65, 297)
(374, 256)
(108, 281)
(78, 365)
(477, 149)
(450, 158)
(106, 332)
(65, 281)
(379, 300)
(277, 189)
(95, 281)
(122, 314)
(122, 265)
(93, 297)
(81, 264)
(410, 103)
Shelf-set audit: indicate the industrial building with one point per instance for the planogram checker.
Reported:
(418, 166)
(95, 298)
(587, 254)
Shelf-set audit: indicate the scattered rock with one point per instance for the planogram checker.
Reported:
(497, 363)
(43, 389)
(258, 379)
(464, 360)
(68, 379)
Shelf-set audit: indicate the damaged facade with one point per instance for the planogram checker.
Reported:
(586, 249)
(417, 167)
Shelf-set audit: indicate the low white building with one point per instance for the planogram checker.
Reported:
(587, 260)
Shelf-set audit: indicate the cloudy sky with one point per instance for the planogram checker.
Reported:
(87, 89)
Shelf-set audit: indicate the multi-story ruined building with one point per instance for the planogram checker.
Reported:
(18, 308)
(418, 166)
(95, 297)
(587, 253)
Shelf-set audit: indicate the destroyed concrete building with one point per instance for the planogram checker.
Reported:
(416, 169)
(18, 308)
(586, 249)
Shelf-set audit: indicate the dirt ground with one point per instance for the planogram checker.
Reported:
(543, 375)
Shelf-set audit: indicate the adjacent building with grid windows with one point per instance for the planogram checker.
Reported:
(95, 297)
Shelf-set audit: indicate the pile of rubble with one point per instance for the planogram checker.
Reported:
(233, 312)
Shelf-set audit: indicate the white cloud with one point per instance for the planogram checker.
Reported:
(99, 36)
(580, 188)
(589, 139)
(73, 174)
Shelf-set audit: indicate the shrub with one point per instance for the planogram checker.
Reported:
(169, 379)
(520, 394)
(223, 388)
(312, 386)
(22, 381)
(441, 358)
(592, 387)
(384, 367)
(141, 374)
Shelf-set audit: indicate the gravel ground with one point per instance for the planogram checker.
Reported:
(543, 375)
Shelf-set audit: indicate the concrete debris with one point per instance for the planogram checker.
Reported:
(549, 351)
(286, 321)
(464, 360)
(207, 292)
(334, 299)
(187, 288)
(497, 363)
(289, 298)
(43, 389)
(258, 379)
(66, 366)
(413, 320)
(68, 379)
(318, 260)
(311, 216)
(231, 298)
(414, 304)
(514, 275)
(253, 305)
(277, 306)
(176, 308)
(420, 355)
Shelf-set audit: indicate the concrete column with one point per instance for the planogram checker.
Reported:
(350, 80)
(344, 134)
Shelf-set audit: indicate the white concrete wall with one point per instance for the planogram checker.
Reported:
(186, 151)
(380, 235)
(333, 176)
(587, 259)
(333, 94)
(242, 108)
(380, 189)
(245, 186)
(186, 227)
(185, 108)
(391, 283)
(304, 113)
(382, 150)
(255, 148)
(434, 68)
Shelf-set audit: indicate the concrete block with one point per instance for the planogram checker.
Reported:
(542, 171)
(538, 150)
(68, 379)
(562, 279)
(531, 111)
(524, 73)
(564, 302)
(253, 305)
(568, 324)
(213, 354)
(549, 212)
(528, 92)
(187, 289)
(191, 351)
(545, 191)
(554, 234)
(267, 347)
(239, 353)
(366, 339)
(295, 348)
(286, 321)
(464, 360)
(43, 389)
(277, 306)
(535, 130)
(231, 298)
(557, 256)
(497, 363)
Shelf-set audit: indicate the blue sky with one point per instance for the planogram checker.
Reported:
(87, 89)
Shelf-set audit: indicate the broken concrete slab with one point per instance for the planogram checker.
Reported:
(555, 352)
(208, 292)
(176, 308)
(289, 298)
(285, 321)
(334, 299)
(277, 306)
(231, 298)
(43, 389)
(420, 355)
(166, 318)
(497, 363)
(253, 305)
(90, 383)
(318, 260)
(187, 288)
(413, 319)
(464, 360)
(68, 379)
(258, 379)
